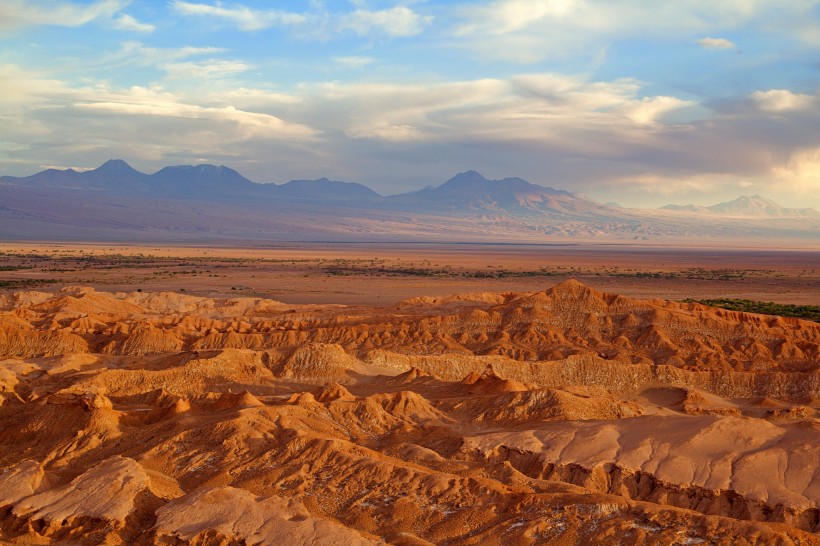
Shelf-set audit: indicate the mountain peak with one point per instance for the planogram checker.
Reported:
(202, 178)
(115, 166)
(465, 179)
(326, 189)
(751, 206)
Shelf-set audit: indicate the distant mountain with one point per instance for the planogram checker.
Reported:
(118, 176)
(327, 190)
(202, 181)
(207, 182)
(470, 192)
(114, 167)
(746, 206)
(759, 206)
(114, 173)
(210, 203)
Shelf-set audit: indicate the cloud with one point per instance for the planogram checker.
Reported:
(604, 137)
(396, 22)
(551, 109)
(716, 43)
(354, 61)
(146, 102)
(41, 119)
(126, 22)
(508, 16)
(782, 100)
(208, 69)
(527, 31)
(176, 61)
(19, 86)
(63, 168)
(801, 173)
(675, 184)
(528, 116)
(386, 132)
(650, 110)
(140, 101)
(15, 14)
(242, 16)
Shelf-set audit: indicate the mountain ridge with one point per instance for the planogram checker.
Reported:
(323, 188)
(468, 191)
(748, 206)
(209, 202)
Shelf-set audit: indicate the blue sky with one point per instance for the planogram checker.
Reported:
(638, 102)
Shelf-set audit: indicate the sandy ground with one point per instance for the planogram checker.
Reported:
(382, 274)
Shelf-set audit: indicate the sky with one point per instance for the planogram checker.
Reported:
(637, 102)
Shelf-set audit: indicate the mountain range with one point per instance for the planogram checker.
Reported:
(117, 202)
(754, 206)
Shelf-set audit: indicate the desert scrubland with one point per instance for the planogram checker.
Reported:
(385, 273)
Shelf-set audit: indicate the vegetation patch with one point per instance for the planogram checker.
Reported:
(25, 283)
(810, 312)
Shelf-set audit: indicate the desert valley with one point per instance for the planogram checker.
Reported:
(406, 395)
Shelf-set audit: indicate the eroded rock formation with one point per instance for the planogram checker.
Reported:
(567, 414)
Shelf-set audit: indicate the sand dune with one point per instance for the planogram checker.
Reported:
(566, 416)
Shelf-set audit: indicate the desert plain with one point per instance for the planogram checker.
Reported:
(406, 394)
(385, 273)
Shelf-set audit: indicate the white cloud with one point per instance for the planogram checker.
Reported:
(782, 100)
(801, 173)
(558, 90)
(396, 22)
(175, 61)
(127, 22)
(507, 16)
(40, 118)
(23, 13)
(211, 68)
(354, 61)
(242, 16)
(19, 86)
(63, 168)
(651, 109)
(716, 43)
(535, 107)
(531, 30)
(145, 102)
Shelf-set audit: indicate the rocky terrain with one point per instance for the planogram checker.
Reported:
(564, 416)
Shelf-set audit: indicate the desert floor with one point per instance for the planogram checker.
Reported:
(382, 274)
